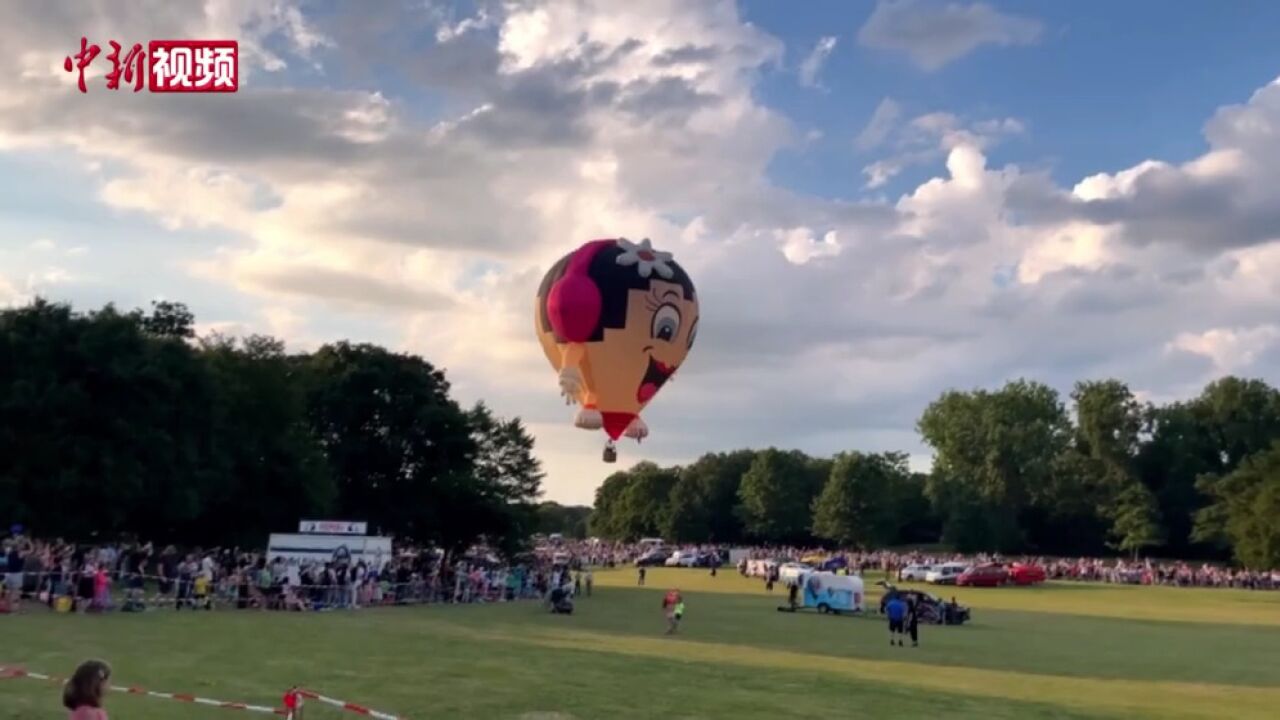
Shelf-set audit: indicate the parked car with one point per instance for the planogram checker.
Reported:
(789, 573)
(945, 574)
(931, 609)
(1026, 574)
(682, 558)
(652, 558)
(833, 564)
(989, 575)
(914, 573)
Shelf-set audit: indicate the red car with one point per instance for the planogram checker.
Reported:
(1026, 574)
(983, 576)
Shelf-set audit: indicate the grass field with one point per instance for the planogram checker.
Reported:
(1057, 651)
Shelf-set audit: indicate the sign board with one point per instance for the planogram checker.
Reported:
(304, 549)
(333, 527)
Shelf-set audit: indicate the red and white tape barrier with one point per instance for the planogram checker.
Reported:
(8, 672)
(349, 707)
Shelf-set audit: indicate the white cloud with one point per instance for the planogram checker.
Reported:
(817, 57)
(1231, 349)
(925, 138)
(800, 245)
(933, 34)
(303, 205)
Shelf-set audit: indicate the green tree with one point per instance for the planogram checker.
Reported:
(508, 477)
(1209, 435)
(1135, 519)
(1109, 420)
(167, 319)
(994, 458)
(606, 514)
(1246, 509)
(274, 470)
(568, 520)
(777, 493)
(917, 521)
(94, 409)
(643, 508)
(688, 515)
(399, 449)
(859, 504)
(1243, 418)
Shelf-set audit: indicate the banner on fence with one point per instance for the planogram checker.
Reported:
(333, 527)
(301, 549)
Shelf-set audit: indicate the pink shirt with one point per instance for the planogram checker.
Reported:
(84, 712)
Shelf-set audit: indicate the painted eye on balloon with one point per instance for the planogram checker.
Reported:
(666, 322)
(693, 333)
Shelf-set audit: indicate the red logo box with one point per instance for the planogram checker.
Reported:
(203, 66)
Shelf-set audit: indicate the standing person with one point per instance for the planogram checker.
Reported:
(896, 609)
(793, 589)
(15, 574)
(577, 583)
(673, 607)
(82, 695)
(590, 580)
(102, 588)
(913, 621)
(200, 589)
(641, 576)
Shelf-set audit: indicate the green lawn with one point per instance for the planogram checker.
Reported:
(1060, 651)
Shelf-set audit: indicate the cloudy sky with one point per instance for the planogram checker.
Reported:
(878, 201)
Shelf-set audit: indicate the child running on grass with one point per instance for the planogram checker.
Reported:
(673, 606)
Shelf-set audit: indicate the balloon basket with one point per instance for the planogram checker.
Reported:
(610, 453)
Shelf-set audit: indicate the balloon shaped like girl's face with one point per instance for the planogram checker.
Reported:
(623, 315)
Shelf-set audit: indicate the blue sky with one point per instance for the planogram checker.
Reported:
(383, 157)
(1106, 86)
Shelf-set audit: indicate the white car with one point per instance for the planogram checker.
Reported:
(915, 573)
(682, 558)
(790, 573)
(945, 574)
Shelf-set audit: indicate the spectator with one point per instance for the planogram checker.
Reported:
(83, 693)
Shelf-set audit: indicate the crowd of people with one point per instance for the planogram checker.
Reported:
(137, 576)
(1109, 570)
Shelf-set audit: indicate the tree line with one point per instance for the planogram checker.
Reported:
(1015, 470)
(117, 424)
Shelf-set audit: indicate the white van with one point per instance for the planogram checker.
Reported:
(945, 574)
(650, 542)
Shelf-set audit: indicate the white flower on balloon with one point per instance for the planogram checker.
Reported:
(645, 258)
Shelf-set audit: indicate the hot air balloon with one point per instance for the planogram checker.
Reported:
(616, 320)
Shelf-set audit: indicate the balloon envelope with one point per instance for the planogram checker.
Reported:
(616, 320)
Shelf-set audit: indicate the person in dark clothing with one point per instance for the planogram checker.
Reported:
(792, 591)
(913, 621)
(641, 576)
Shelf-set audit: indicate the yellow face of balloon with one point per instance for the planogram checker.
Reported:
(633, 362)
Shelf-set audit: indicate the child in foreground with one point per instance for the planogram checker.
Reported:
(82, 695)
(673, 606)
